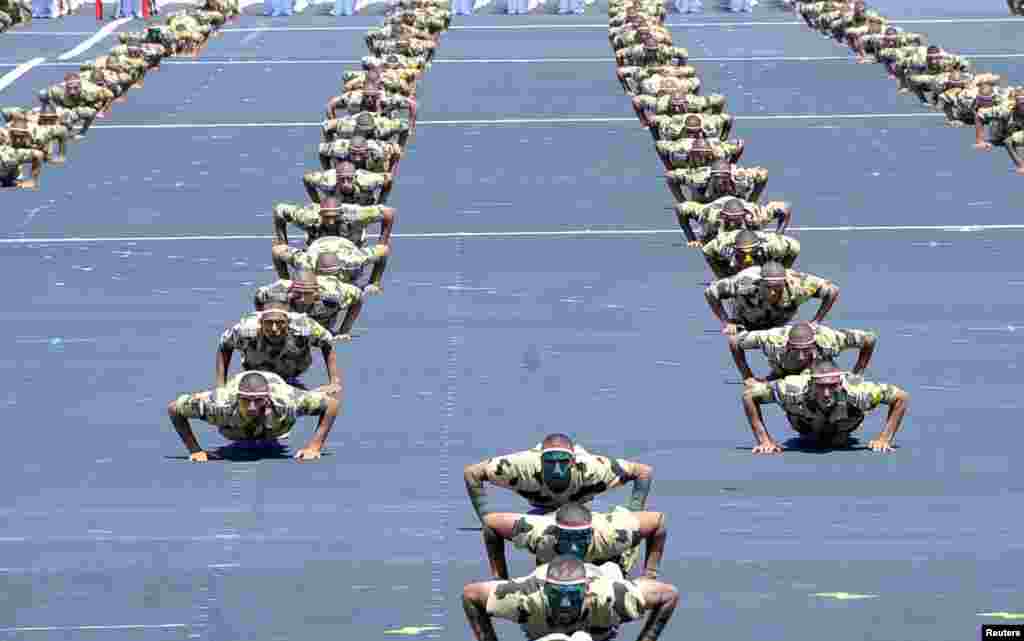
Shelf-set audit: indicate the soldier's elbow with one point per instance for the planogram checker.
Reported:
(172, 409)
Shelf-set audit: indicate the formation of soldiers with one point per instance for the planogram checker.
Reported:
(36, 136)
(940, 79)
(322, 282)
(757, 293)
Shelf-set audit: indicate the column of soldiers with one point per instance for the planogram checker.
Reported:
(36, 136)
(940, 79)
(324, 279)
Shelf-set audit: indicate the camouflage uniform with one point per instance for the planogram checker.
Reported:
(351, 257)
(720, 252)
(352, 102)
(748, 181)
(608, 604)
(753, 312)
(389, 80)
(828, 342)
(87, 102)
(5, 21)
(11, 160)
(712, 125)
(354, 220)
(627, 38)
(408, 47)
(219, 407)
(709, 216)
(795, 395)
(288, 360)
(959, 102)
(616, 535)
(406, 64)
(335, 298)
(713, 104)
(677, 152)
(1007, 126)
(385, 129)
(655, 84)
(368, 185)
(522, 473)
(874, 43)
(379, 156)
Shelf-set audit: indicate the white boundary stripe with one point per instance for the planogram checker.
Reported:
(86, 44)
(58, 628)
(517, 234)
(18, 72)
(520, 121)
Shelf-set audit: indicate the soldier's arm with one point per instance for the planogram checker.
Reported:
(387, 223)
(653, 531)
(686, 212)
(326, 406)
(660, 600)
(867, 341)
(738, 346)
(760, 178)
(897, 400)
(640, 474)
(259, 299)
(281, 220)
(753, 397)
(474, 604)
(982, 118)
(784, 216)
(380, 263)
(332, 107)
(320, 336)
(411, 105)
(498, 528)
(184, 430)
(224, 352)
(714, 294)
(477, 475)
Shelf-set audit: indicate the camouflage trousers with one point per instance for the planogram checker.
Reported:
(827, 433)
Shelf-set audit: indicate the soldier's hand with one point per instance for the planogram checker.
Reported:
(372, 290)
(342, 338)
(730, 329)
(308, 453)
(983, 146)
(880, 445)
(199, 457)
(330, 388)
(753, 380)
(768, 447)
(693, 243)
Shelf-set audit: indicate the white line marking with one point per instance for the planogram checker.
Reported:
(516, 234)
(18, 72)
(96, 37)
(57, 628)
(520, 121)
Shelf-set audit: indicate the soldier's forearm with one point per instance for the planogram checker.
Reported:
(323, 429)
(717, 309)
(895, 419)
(784, 220)
(864, 358)
(641, 489)
(684, 224)
(479, 620)
(655, 549)
(495, 546)
(739, 356)
(753, 411)
(221, 368)
(350, 317)
(476, 488)
(184, 430)
(280, 229)
(331, 361)
(826, 305)
(658, 618)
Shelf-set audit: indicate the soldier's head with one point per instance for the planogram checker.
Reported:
(358, 150)
(409, 18)
(565, 589)
(827, 381)
(371, 97)
(773, 281)
(253, 396)
(746, 248)
(650, 45)
(985, 98)
(557, 459)
(701, 153)
(575, 532)
(73, 85)
(274, 325)
(956, 80)
(364, 124)
(933, 57)
(328, 264)
(800, 345)
(373, 77)
(330, 212)
(303, 291)
(345, 173)
(18, 119)
(858, 8)
(734, 214)
(679, 102)
(692, 125)
(721, 177)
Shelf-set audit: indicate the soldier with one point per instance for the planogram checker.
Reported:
(334, 256)
(567, 597)
(280, 342)
(722, 178)
(253, 406)
(653, 85)
(937, 64)
(694, 153)
(710, 126)
(87, 99)
(389, 80)
(826, 407)
(767, 297)
(555, 473)
(11, 160)
(733, 251)
(372, 99)
(959, 95)
(333, 219)
(369, 155)
(678, 103)
(349, 185)
(729, 214)
(322, 298)
(367, 125)
(1008, 126)
(792, 350)
(23, 135)
(593, 538)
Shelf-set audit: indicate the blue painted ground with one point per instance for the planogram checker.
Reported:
(483, 344)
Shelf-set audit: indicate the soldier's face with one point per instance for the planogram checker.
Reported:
(274, 328)
(346, 184)
(358, 155)
(722, 184)
(565, 602)
(826, 392)
(329, 223)
(253, 407)
(772, 292)
(574, 541)
(934, 62)
(303, 300)
(370, 102)
(74, 89)
(804, 356)
(557, 470)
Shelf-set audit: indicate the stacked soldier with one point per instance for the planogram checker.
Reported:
(323, 281)
(940, 79)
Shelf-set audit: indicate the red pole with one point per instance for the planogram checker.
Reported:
(99, 10)
(145, 9)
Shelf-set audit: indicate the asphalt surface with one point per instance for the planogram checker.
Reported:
(514, 322)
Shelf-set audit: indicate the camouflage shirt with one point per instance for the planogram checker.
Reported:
(636, 56)
(368, 185)
(709, 216)
(383, 128)
(379, 155)
(753, 311)
(608, 604)
(713, 103)
(392, 81)
(614, 534)
(795, 395)
(353, 220)
(674, 127)
(747, 181)
(657, 84)
(335, 297)
(1004, 115)
(523, 474)
(288, 359)
(678, 151)
(219, 407)
(829, 343)
(351, 257)
(409, 47)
